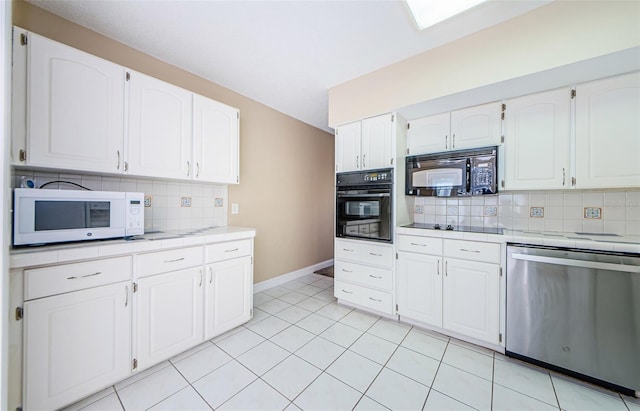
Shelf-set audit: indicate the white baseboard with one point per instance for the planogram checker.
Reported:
(281, 279)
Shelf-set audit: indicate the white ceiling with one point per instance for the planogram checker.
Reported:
(284, 54)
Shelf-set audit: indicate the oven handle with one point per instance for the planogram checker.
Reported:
(577, 263)
(364, 195)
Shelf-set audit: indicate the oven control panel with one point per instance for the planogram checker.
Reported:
(384, 176)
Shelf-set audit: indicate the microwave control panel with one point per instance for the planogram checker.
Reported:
(135, 214)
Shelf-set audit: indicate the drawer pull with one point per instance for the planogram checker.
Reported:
(347, 271)
(421, 245)
(373, 299)
(376, 255)
(347, 250)
(84, 276)
(126, 295)
(347, 292)
(374, 276)
(231, 251)
(469, 251)
(211, 275)
(173, 261)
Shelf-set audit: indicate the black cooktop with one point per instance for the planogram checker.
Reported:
(464, 228)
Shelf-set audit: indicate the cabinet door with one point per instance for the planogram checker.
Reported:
(608, 133)
(75, 108)
(215, 141)
(429, 134)
(170, 314)
(477, 126)
(420, 288)
(471, 299)
(228, 298)
(76, 344)
(348, 147)
(537, 134)
(159, 129)
(377, 142)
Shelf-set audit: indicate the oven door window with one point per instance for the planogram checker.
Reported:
(69, 215)
(364, 214)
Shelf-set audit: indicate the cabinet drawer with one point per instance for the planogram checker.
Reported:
(422, 245)
(373, 277)
(171, 260)
(363, 252)
(472, 250)
(42, 282)
(228, 250)
(375, 300)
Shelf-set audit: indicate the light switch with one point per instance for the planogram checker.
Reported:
(235, 208)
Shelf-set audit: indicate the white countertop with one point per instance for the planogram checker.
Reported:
(154, 241)
(588, 241)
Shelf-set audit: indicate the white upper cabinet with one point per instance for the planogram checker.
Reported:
(366, 144)
(159, 129)
(75, 106)
(377, 143)
(348, 147)
(471, 127)
(537, 135)
(477, 126)
(608, 133)
(215, 141)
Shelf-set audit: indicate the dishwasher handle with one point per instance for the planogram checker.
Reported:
(577, 263)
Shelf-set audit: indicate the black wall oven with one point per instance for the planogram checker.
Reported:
(364, 205)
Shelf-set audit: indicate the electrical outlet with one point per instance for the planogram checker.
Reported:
(147, 201)
(185, 202)
(419, 209)
(219, 202)
(536, 212)
(593, 213)
(235, 208)
(490, 211)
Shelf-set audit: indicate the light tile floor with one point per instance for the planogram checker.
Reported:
(303, 351)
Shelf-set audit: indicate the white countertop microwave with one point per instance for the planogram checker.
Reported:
(52, 216)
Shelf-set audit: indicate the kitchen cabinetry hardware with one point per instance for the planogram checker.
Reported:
(135, 287)
(573, 94)
(453, 141)
(174, 260)
(197, 169)
(210, 275)
(364, 156)
(349, 250)
(84, 276)
(126, 166)
(23, 155)
(375, 299)
(446, 270)
(418, 244)
(438, 268)
(126, 295)
(188, 168)
(23, 39)
(502, 184)
(469, 251)
(347, 271)
(231, 251)
(135, 364)
(573, 181)
(19, 313)
(563, 176)
(347, 292)
(358, 161)
(446, 146)
(118, 161)
(127, 76)
(376, 254)
(201, 278)
(375, 276)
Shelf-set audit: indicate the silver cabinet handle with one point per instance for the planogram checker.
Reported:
(348, 250)
(118, 163)
(357, 161)
(84, 276)
(188, 168)
(211, 275)
(469, 251)
(364, 156)
(446, 269)
(347, 271)
(421, 245)
(197, 169)
(230, 251)
(376, 277)
(173, 261)
(126, 295)
(373, 299)
(376, 255)
(563, 177)
(446, 140)
(438, 267)
(347, 292)
(453, 141)
(200, 285)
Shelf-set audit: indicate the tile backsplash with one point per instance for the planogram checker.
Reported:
(207, 204)
(602, 211)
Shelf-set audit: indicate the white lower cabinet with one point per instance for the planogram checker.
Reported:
(76, 344)
(455, 288)
(169, 314)
(228, 295)
(364, 274)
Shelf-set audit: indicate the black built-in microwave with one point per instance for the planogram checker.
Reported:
(459, 173)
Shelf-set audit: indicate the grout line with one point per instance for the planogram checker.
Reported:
(555, 392)
(493, 378)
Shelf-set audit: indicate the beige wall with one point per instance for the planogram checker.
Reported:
(286, 166)
(555, 35)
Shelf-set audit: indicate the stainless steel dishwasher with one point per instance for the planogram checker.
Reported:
(576, 311)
